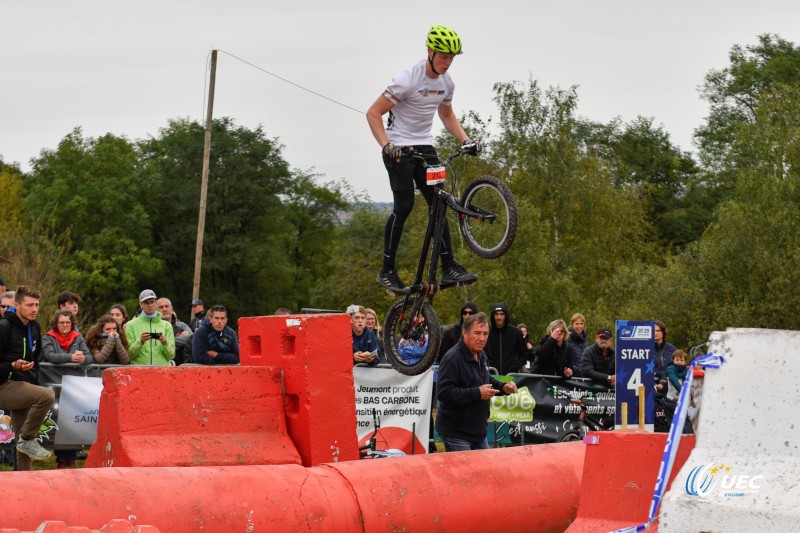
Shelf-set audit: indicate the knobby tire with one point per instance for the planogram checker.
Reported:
(392, 337)
(489, 239)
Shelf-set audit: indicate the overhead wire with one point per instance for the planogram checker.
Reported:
(265, 71)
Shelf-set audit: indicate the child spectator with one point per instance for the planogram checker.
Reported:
(676, 373)
(106, 344)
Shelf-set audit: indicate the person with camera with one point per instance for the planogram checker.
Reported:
(412, 99)
(150, 339)
(465, 387)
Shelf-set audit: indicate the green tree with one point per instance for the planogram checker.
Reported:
(267, 231)
(642, 157)
(90, 192)
(593, 227)
(735, 92)
(742, 272)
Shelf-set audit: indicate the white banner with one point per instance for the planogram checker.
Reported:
(78, 406)
(400, 404)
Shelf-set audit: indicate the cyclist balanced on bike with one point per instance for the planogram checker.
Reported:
(412, 99)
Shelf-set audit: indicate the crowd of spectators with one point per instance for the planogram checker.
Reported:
(155, 335)
(562, 350)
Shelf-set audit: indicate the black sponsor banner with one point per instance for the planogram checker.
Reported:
(552, 414)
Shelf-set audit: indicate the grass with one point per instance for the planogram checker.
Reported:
(49, 464)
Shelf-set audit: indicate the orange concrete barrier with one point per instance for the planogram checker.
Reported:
(191, 416)
(315, 353)
(531, 488)
(619, 478)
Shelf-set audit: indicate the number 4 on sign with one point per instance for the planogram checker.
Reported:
(636, 380)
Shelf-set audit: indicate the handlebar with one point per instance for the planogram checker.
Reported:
(408, 151)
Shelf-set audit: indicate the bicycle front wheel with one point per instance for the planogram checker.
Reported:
(411, 340)
(492, 233)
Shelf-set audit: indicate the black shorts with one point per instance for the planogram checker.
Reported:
(403, 175)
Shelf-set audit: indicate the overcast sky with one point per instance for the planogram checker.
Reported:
(128, 67)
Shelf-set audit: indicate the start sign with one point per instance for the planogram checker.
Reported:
(635, 366)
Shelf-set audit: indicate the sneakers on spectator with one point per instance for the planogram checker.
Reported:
(32, 449)
(388, 278)
(456, 273)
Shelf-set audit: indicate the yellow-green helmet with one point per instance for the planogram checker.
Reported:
(444, 40)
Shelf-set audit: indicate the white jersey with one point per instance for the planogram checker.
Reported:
(416, 98)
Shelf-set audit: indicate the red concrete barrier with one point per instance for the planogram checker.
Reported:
(531, 488)
(526, 488)
(114, 526)
(315, 353)
(619, 478)
(191, 416)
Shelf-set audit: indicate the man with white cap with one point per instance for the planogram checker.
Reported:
(150, 339)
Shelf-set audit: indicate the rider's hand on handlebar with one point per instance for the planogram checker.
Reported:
(390, 150)
(472, 147)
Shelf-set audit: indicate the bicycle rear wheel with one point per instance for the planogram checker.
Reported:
(411, 341)
(492, 234)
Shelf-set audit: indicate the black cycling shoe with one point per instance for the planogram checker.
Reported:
(388, 278)
(457, 274)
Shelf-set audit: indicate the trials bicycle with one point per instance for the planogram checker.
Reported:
(487, 221)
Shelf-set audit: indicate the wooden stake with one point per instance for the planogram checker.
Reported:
(641, 406)
(624, 415)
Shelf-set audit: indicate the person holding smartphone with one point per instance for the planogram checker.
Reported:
(465, 387)
(150, 339)
(365, 345)
(20, 393)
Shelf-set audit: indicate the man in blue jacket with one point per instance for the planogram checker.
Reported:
(214, 343)
(465, 388)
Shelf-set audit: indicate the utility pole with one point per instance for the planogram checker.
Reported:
(201, 220)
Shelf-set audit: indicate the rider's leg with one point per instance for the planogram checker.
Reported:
(401, 178)
(403, 204)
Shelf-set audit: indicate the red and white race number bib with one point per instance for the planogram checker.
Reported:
(436, 175)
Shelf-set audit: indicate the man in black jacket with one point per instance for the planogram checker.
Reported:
(452, 335)
(465, 388)
(598, 360)
(20, 347)
(506, 349)
(198, 314)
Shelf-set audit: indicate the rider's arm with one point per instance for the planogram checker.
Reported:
(450, 121)
(375, 113)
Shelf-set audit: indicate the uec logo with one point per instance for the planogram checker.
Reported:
(704, 478)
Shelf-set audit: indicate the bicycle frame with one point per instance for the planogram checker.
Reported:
(437, 218)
